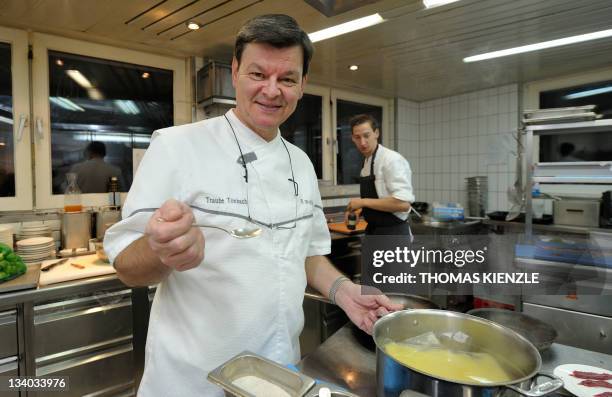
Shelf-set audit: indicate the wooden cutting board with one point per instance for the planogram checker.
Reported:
(92, 266)
(28, 280)
(340, 227)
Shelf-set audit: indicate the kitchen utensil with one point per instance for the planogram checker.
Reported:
(98, 246)
(240, 233)
(571, 383)
(48, 267)
(539, 333)
(481, 335)
(251, 364)
(104, 217)
(76, 229)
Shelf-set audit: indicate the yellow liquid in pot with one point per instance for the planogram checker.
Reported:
(461, 367)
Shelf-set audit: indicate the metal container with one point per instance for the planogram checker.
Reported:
(392, 377)
(247, 363)
(577, 212)
(76, 229)
(104, 217)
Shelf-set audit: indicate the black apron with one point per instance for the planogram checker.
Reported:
(379, 222)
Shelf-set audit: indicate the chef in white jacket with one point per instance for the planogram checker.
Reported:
(218, 295)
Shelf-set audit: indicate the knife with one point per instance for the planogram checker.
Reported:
(51, 266)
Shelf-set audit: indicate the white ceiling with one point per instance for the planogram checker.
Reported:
(416, 54)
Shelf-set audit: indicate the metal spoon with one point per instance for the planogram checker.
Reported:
(240, 233)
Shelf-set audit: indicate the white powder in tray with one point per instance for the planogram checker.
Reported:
(260, 387)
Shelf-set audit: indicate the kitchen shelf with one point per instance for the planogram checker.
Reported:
(559, 128)
(571, 128)
(591, 180)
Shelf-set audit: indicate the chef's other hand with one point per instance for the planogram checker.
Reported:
(172, 237)
(354, 204)
(363, 310)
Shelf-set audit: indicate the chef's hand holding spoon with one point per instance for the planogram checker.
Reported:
(173, 238)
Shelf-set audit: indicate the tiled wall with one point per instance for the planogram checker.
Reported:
(449, 139)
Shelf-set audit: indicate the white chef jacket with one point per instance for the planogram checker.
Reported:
(393, 176)
(246, 294)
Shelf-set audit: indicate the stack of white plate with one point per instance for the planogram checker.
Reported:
(6, 235)
(36, 230)
(36, 249)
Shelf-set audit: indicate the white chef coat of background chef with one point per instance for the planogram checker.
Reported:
(393, 176)
(246, 294)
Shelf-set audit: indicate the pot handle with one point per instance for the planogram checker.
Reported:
(541, 389)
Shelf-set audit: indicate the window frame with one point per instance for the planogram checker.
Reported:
(18, 40)
(326, 128)
(386, 123)
(41, 44)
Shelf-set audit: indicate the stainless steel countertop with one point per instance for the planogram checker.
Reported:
(548, 228)
(343, 361)
(61, 289)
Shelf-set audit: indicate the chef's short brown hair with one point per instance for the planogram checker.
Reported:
(277, 30)
(363, 118)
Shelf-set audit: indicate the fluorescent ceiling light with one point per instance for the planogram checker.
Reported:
(95, 94)
(66, 104)
(540, 46)
(594, 91)
(354, 67)
(436, 3)
(127, 106)
(79, 78)
(346, 27)
(115, 138)
(6, 120)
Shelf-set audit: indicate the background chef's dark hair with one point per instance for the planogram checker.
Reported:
(277, 30)
(96, 149)
(363, 118)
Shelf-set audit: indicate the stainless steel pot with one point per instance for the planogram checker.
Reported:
(393, 377)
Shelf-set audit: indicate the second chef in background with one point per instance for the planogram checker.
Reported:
(385, 183)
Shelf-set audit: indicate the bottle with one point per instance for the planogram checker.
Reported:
(352, 221)
(113, 188)
(72, 194)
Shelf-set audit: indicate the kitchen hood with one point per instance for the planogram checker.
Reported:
(214, 85)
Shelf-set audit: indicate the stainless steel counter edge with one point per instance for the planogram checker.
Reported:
(60, 290)
(549, 228)
(85, 285)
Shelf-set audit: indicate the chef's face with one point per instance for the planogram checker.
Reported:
(365, 138)
(268, 84)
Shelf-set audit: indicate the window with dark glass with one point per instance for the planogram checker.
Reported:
(349, 159)
(303, 129)
(7, 148)
(596, 146)
(100, 111)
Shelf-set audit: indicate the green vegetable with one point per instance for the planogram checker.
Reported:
(11, 264)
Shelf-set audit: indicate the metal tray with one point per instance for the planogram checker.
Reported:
(248, 363)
